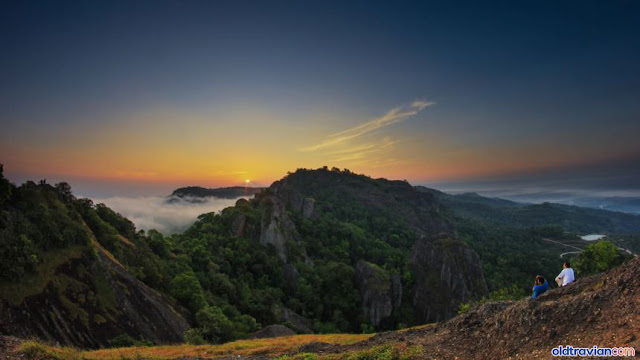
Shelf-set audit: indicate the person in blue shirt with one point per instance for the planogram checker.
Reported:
(539, 286)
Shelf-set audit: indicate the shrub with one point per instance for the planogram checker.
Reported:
(464, 307)
(194, 337)
(122, 340)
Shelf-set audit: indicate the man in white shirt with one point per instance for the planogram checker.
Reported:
(565, 277)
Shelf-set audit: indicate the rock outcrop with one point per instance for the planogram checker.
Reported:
(308, 205)
(380, 291)
(447, 273)
(294, 199)
(276, 228)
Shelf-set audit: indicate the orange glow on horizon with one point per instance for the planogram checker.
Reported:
(180, 147)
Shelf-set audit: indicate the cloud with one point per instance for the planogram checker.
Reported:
(155, 212)
(421, 104)
(393, 116)
(362, 152)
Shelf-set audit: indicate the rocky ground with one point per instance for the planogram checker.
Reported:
(8, 345)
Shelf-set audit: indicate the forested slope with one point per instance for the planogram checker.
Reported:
(319, 251)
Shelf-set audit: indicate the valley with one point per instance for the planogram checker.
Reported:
(319, 251)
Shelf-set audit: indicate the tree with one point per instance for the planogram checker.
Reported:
(64, 190)
(5, 187)
(186, 288)
(598, 257)
(214, 324)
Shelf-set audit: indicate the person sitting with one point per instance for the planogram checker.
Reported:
(540, 286)
(566, 276)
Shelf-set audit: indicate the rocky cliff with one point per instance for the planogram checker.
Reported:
(380, 291)
(86, 300)
(276, 228)
(447, 274)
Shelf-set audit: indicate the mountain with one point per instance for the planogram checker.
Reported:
(343, 252)
(318, 251)
(392, 227)
(504, 212)
(225, 193)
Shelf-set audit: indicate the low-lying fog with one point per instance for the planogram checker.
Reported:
(168, 215)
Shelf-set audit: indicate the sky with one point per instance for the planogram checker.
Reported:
(140, 97)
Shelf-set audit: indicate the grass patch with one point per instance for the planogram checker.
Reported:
(36, 350)
(267, 347)
(274, 347)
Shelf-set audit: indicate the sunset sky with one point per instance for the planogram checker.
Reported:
(144, 96)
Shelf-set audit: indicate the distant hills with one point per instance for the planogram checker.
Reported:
(628, 203)
(583, 218)
(612, 203)
(224, 193)
(505, 212)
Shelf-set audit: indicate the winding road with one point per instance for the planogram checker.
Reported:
(563, 244)
(579, 250)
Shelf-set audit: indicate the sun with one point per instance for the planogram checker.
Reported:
(247, 181)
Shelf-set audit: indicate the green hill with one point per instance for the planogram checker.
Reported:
(319, 251)
(67, 271)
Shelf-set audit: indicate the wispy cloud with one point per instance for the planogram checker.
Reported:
(393, 116)
(362, 152)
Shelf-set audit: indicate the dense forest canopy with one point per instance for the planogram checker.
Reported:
(231, 283)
